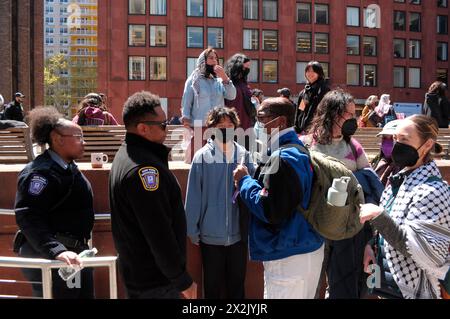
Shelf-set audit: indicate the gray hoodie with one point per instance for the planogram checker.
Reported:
(211, 215)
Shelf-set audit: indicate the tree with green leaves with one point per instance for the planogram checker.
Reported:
(56, 86)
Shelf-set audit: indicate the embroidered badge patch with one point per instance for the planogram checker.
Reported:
(150, 178)
(37, 185)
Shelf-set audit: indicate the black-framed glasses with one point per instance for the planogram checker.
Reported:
(163, 124)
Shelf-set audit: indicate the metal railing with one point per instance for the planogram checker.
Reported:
(47, 265)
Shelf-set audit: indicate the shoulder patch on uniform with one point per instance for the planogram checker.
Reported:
(149, 178)
(37, 185)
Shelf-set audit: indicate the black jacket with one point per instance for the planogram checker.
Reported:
(311, 95)
(52, 200)
(147, 217)
(14, 111)
(437, 107)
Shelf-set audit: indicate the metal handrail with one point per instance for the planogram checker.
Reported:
(47, 265)
(99, 216)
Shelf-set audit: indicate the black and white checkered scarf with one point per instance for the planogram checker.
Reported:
(422, 209)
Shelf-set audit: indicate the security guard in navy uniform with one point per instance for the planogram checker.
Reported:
(54, 204)
(147, 213)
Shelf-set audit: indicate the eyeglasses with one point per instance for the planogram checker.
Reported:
(163, 124)
(78, 136)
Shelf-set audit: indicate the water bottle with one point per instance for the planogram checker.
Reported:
(337, 193)
(67, 273)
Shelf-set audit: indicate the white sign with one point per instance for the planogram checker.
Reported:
(408, 109)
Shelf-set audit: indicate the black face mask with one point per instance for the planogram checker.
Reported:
(349, 127)
(210, 69)
(224, 135)
(246, 72)
(404, 155)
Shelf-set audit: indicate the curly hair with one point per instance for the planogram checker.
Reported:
(138, 106)
(218, 113)
(234, 67)
(331, 107)
(42, 121)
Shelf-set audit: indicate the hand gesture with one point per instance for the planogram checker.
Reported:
(220, 72)
(191, 292)
(70, 258)
(238, 173)
(369, 212)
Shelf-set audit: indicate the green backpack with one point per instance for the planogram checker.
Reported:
(332, 222)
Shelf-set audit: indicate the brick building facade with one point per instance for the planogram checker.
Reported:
(21, 50)
(152, 44)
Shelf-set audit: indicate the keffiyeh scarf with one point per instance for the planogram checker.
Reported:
(422, 209)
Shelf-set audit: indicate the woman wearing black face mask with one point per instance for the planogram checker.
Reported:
(414, 215)
(237, 68)
(214, 218)
(331, 134)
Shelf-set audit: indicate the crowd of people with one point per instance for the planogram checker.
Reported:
(237, 203)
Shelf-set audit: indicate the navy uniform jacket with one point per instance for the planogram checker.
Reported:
(42, 185)
(147, 217)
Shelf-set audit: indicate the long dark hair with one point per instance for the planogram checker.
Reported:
(332, 106)
(234, 67)
(437, 87)
(205, 53)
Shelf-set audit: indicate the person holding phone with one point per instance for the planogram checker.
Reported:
(207, 87)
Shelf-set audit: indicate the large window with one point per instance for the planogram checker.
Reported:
(442, 51)
(270, 40)
(414, 78)
(442, 3)
(215, 8)
(158, 68)
(399, 48)
(270, 11)
(136, 35)
(399, 77)
(270, 71)
(370, 46)
(370, 75)
(158, 7)
(321, 43)
(301, 72)
(303, 12)
(321, 13)
(251, 39)
(215, 38)
(353, 45)
(414, 49)
(194, 37)
(253, 76)
(353, 16)
(352, 74)
(136, 6)
(136, 68)
(195, 8)
(442, 24)
(399, 20)
(414, 22)
(158, 35)
(251, 9)
(304, 42)
(190, 66)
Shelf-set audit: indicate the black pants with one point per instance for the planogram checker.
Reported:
(224, 269)
(60, 288)
(165, 292)
(345, 267)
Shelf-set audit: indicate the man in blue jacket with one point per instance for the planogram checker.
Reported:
(279, 236)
